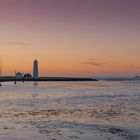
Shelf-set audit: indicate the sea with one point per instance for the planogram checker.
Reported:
(98, 110)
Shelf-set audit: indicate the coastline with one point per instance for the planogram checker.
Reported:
(12, 78)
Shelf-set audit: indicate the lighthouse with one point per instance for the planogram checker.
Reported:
(35, 69)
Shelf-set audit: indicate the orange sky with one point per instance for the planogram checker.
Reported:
(70, 40)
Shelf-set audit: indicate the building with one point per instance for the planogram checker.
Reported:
(35, 69)
(18, 75)
(27, 75)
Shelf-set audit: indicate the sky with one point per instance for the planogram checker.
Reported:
(71, 37)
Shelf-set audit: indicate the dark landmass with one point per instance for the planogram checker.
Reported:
(118, 78)
(12, 78)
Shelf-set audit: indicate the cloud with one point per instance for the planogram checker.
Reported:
(14, 41)
(92, 59)
(136, 67)
(93, 62)
(19, 43)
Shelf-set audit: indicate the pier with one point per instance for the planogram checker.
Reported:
(43, 79)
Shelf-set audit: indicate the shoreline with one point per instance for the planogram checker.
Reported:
(43, 79)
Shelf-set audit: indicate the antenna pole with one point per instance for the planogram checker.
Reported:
(0, 66)
(0, 69)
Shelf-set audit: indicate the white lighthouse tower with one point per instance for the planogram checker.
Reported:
(35, 69)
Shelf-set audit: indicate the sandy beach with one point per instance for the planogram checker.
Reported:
(70, 111)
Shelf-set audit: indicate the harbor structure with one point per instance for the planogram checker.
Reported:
(35, 69)
(18, 75)
(27, 75)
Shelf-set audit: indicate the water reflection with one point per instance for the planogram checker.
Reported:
(102, 103)
(35, 83)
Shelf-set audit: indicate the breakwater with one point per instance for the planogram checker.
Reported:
(10, 79)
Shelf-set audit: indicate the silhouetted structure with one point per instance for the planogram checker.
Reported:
(29, 78)
(27, 75)
(0, 68)
(18, 75)
(35, 69)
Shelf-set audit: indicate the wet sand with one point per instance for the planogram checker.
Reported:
(87, 112)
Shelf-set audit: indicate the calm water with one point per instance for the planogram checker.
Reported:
(70, 110)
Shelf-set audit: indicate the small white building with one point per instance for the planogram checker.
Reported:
(18, 75)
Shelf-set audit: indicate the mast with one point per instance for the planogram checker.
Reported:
(1, 66)
(0, 69)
